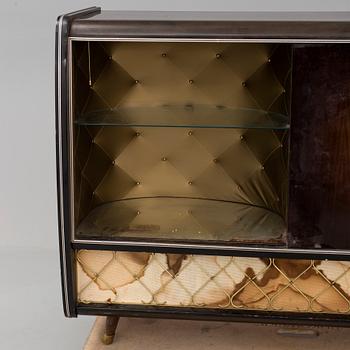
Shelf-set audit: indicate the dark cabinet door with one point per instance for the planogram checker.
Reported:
(319, 199)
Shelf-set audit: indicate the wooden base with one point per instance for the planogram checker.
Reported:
(110, 329)
(157, 334)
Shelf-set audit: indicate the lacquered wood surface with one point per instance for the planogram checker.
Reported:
(283, 25)
(319, 209)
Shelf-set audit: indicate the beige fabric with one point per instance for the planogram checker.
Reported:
(213, 281)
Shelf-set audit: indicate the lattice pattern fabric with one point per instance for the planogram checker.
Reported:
(213, 281)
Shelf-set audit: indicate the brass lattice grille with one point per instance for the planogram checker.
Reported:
(213, 281)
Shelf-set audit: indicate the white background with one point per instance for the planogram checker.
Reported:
(31, 315)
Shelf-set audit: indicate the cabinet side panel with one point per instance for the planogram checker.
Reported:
(66, 253)
(319, 205)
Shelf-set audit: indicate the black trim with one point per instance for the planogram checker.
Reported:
(220, 251)
(67, 263)
(253, 316)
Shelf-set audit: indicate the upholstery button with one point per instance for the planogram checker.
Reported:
(138, 212)
(163, 54)
(138, 183)
(262, 168)
(269, 60)
(113, 162)
(190, 133)
(218, 55)
(137, 134)
(109, 57)
(244, 84)
(190, 81)
(189, 107)
(215, 160)
(190, 182)
(242, 137)
(164, 159)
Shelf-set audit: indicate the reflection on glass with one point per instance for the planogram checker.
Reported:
(199, 116)
(183, 219)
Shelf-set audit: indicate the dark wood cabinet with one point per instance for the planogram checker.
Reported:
(203, 165)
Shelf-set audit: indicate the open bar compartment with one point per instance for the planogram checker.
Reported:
(181, 141)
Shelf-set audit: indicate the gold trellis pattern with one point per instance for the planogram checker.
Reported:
(213, 281)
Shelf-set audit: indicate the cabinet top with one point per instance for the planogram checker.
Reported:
(211, 25)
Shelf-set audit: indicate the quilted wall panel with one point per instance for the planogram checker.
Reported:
(114, 75)
(239, 165)
(213, 282)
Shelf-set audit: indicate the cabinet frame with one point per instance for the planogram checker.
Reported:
(68, 243)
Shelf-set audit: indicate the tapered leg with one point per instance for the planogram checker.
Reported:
(111, 326)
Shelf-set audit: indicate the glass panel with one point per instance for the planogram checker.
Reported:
(232, 99)
(199, 116)
(183, 219)
(319, 207)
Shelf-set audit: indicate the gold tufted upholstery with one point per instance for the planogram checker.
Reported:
(183, 218)
(245, 165)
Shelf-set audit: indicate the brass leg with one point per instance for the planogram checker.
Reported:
(111, 326)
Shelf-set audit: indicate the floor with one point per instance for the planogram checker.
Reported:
(136, 334)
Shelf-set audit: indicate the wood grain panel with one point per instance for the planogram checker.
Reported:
(319, 208)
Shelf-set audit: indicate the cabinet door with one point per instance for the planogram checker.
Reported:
(319, 202)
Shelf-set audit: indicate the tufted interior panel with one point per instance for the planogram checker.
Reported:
(183, 219)
(246, 164)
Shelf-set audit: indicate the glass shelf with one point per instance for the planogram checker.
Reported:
(187, 116)
(183, 219)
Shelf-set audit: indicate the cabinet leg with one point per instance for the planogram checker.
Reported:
(111, 326)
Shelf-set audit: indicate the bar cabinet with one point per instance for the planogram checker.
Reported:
(203, 165)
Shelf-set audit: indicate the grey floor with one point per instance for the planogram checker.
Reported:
(30, 303)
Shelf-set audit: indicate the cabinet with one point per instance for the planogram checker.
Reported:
(204, 165)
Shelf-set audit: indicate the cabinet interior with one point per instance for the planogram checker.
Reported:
(178, 141)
